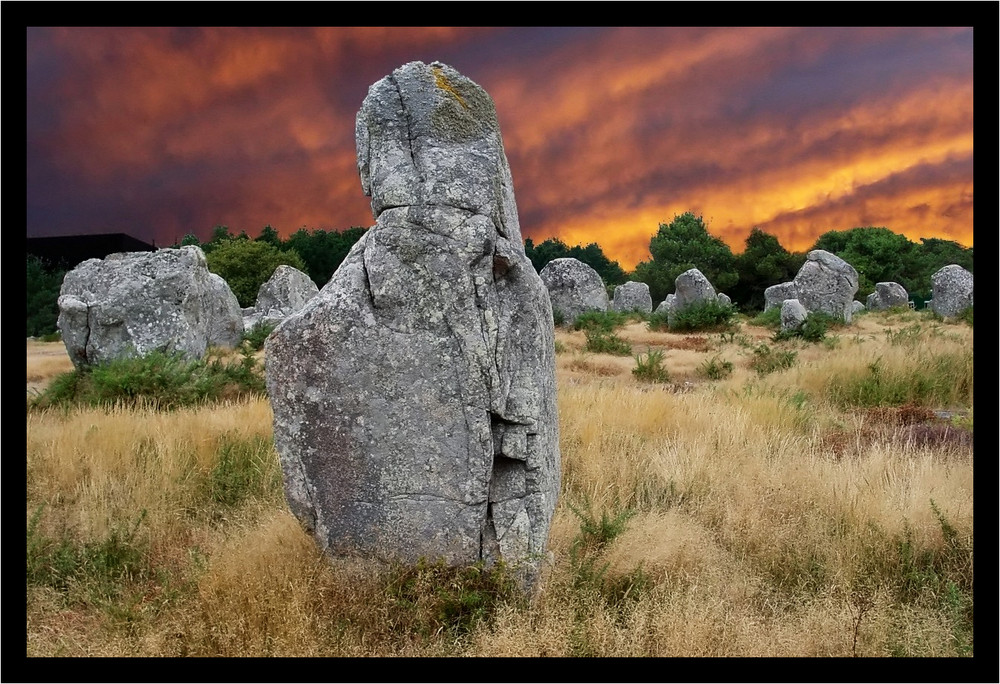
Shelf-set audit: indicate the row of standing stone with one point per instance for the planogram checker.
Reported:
(825, 283)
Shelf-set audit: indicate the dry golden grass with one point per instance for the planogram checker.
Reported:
(761, 520)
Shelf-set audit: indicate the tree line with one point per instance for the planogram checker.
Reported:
(877, 253)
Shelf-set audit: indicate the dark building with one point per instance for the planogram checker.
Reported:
(66, 251)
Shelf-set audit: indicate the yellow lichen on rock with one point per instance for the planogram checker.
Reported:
(442, 82)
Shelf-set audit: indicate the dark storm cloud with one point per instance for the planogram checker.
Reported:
(609, 130)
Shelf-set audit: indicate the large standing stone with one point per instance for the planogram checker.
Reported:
(134, 303)
(777, 294)
(414, 397)
(633, 296)
(285, 292)
(690, 288)
(574, 287)
(951, 291)
(886, 296)
(826, 283)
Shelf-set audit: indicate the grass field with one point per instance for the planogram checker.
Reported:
(741, 496)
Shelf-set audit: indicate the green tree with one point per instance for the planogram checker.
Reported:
(247, 264)
(43, 284)
(553, 248)
(323, 251)
(270, 236)
(680, 245)
(219, 235)
(876, 253)
(190, 239)
(926, 259)
(763, 263)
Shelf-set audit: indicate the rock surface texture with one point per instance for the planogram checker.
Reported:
(886, 296)
(793, 315)
(826, 283)
(135, 303)
(414, 397)
(574, 287)
(285, 292)
(777, 294)
(951, 291)
(633, 296)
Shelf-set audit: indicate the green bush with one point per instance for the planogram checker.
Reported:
(245, 468)
(430, 597)
(716, 368)
(657, 322)
(769, 360)
(931, 380)
(813, 329)
(602, 342)
(709, 315)
(167, 380)
(650, 368)
(101, 567)
(558, 317)
(605, 321)
(965, 315)
(43, 284)
(768, 319)
(255, 336)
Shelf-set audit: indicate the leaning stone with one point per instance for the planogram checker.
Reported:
(131, 304)
(574, 287)
(793, 315)
(633, 296)
(225, 317)
(414, 397)
(951, 291)
(776, 294)
(826, 283)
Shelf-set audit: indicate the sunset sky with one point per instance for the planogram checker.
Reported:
(159, 132)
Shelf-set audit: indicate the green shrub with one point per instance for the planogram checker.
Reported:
(965, 315)
(167, 380)
(558, 317)
(931, 380)
(710, 315)
(716, 368)
(589, 575)
(813, 329)
(650, 368)
(428, 598)
(768, 319)
(909, 335)
(657, 322)
(246, 467)
(255, 336)
(768, 360)
(100, 567)
(602, 342)
(605, 321)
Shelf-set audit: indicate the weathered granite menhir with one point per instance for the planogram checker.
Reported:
(414, 397)
(574, 288)
(951, 291)
(134, 303)
(285, 292)
(633, 296)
